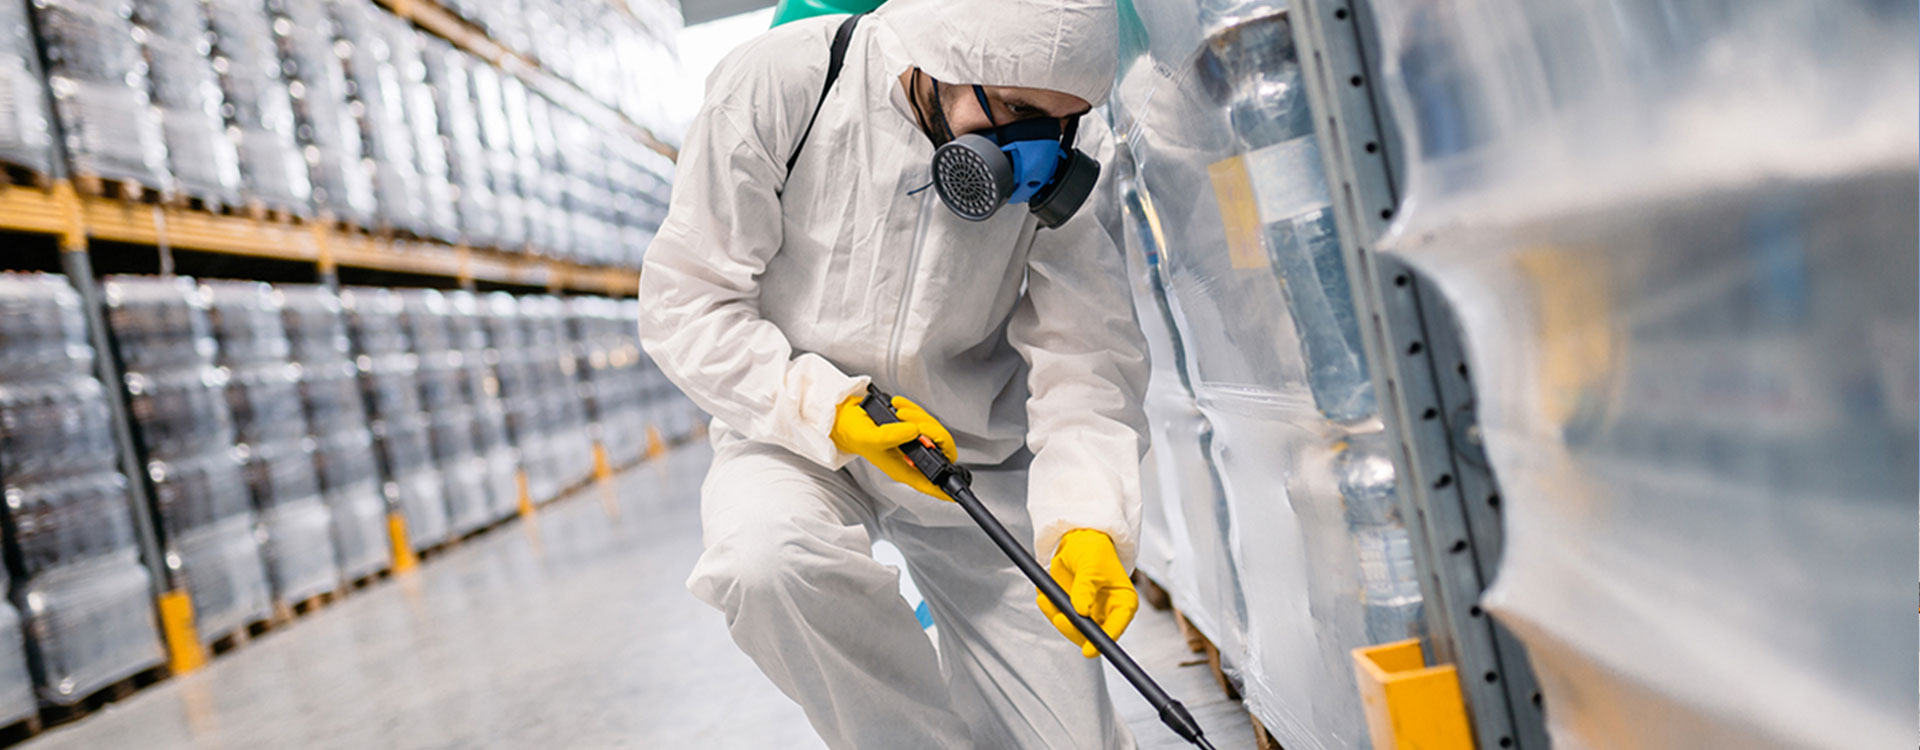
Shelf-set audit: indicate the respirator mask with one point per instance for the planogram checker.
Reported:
(1028, 161)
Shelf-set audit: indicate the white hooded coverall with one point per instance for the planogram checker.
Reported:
(773, 297)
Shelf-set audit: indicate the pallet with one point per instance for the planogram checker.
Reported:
(1155, 596)
(366, 580)
(52, 715)
(1262, 739)
(437, 550)
(240, 636)
(26, 177)
(21, 731)
(1198, 643)
(284, 613)
(116, 188)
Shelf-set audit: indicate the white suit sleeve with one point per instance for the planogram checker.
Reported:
(699, 292)
(1088, 370)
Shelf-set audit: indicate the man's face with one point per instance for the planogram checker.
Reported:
(1009, 104)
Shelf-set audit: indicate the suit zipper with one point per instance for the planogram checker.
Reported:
(906, 295)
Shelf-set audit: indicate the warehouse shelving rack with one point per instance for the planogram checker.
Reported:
(1449, 498)
(438, 20)
(74, 220)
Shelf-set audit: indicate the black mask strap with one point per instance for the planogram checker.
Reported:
(945, 133)
(981, 94)
(1067, 135)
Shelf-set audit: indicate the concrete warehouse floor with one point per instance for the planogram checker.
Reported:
(570, 631)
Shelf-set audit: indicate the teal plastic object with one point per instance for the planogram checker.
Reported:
(794, 10)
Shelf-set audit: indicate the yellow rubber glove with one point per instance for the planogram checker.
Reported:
(855, 432)
(1088, 567)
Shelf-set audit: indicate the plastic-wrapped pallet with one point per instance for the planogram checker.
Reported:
(521, 393)
(489, 105)
(98, 79)
(194, 465)
(492, 441)
(86, 599)
(583, 172)
(506, 22)
(1293, 547)
(556, 373)
(1183, 517)
(26, 127)
(264, 394)
(378, 98)
(443, 396)
(467, 167)
(389, 377)
(202, 157)
(335, 412)
(329, 135)
(1679, 245)
(535, 208)
(551, 180)
(606, 348)
(442, 218)
(259, 107)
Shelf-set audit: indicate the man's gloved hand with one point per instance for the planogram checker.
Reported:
(1088, 567)
(856, 433)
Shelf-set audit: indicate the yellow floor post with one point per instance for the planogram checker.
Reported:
(656, 445)
(526, 495)
(1409, 705)
(403, 558)
(602, 468)
(184, 651)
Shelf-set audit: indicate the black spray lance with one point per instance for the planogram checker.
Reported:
(957, 482)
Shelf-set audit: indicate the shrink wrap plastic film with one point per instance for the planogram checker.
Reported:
(377, 95)
(259, 109)
(180, 74)
(83, 593)
(329, 134)
(520, 393)
(26, 127)
(425, 314)
(177, 399)
(449, 73)
(441, 219)
(264, 395)
(98, 78)
(606, 348)
(557, 376)
(503, 176)
(525, 160)
(1679, 241)
(349, 475)
(551, 178)
(1270, 461)
(389, 378)
(481, 388)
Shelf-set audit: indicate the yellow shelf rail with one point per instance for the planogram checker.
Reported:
(62, 212)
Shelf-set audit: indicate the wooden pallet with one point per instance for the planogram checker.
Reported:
(366, 580)
(21, 731)
(19, 176)
(52, 715)
(1262, 739)
(285, 613)
(1155, 596)
(1198, 643)
(113, 187)
(240, 636)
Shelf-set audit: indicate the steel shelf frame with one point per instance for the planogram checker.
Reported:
(1449, 498)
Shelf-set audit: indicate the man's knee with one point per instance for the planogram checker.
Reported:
(760, 561)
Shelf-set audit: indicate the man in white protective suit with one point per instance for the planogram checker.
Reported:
(805, 256)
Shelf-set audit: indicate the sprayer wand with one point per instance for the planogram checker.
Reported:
(957, 482)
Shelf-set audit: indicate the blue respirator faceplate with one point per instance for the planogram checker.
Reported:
(1021, 162)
